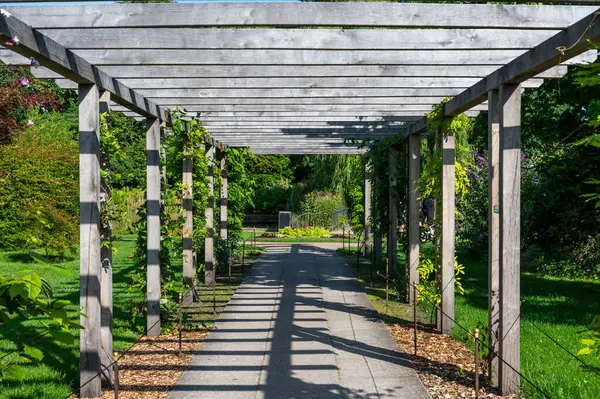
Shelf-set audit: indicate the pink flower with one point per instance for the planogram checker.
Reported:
(23, 81)
(5, 13)
(29, 123)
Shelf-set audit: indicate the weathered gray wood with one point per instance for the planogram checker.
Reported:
(510, 237)
(559, 48)
(153, 327)
(303, 118)
(302, 14)
(367, 219)
(414, 236)
(257, 71)
(318, 39)
(106, 275)
(189, 269)
(493, 231)
(447, 233)
(291, 82)
(90, 266)
(306, 151)
(209, 261)
(392, 247)
(61, 60)
(224, 195)
(297, 57)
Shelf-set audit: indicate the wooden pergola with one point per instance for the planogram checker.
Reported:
(304, 78)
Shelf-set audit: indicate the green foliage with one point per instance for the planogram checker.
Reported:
(290, 232)
(129, 200)
(319, 208)
(591, 342)
(39, 194)
(30, 297)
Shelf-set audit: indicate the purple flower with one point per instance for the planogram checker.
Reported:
(536, 179)
(523, 155)
(23, 81)
(475, 175)
(580, 257)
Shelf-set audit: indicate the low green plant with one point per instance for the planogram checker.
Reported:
(290, 232)
(591, 342)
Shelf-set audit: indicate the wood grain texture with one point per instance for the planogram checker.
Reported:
(510, 237)
(90, 265)
(63, 61)
(393, 216)
(493, 231)
(302, 14)
(189, 269)
(447, 232)
(209, 260)
(153, 326)
(269, 71)
(413, 206)
(106, 273)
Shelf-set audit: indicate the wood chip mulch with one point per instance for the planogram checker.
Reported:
(151, 368)
(445, 366)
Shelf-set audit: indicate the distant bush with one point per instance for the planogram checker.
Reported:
(321, 206)
(39, 194)
(128, 200)
(289, 232)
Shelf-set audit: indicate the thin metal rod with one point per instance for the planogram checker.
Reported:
(116, 374)
(343, 238)
(476, 363)
(415, 315)
(387, 283)
(214, 287)
(243, 254)
(372, 264)
(179, 317)
(357, 255)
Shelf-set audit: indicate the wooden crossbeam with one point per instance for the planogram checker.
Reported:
(56, 57)
(385, 15)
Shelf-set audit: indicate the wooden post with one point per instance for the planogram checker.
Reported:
(510, 234)
(393, 215)
(224, 188)
(189, 267)
(367, 221)
(209, 266)
(106, 275)
(153, 225)
(89, 240)
(447, 234)
(414, 172)
(493, 230)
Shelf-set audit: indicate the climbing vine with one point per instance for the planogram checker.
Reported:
(430, 187)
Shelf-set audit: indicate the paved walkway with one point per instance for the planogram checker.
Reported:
(299, 327)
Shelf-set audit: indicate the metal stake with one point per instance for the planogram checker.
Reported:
(372, 264)
(357, 255)
(116, 374)
(343, 238)
(179, 317)
(387, 283)
(415, 315)
(214, 286)
(476, 363)
(243, 254)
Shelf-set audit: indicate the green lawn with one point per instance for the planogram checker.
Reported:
(560, 307)
(60, 374)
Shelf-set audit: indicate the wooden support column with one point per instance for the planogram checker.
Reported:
(378, 239)
(493, 231)
(153, 225)
(89, 240)
(189, 267)
(224, 187)
(367, 221)
(510, 235)
(106, 275)
(209, 261)
(392, 250)
(445, 321)
(414, 172)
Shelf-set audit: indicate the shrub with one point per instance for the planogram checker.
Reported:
(129, 200)
(39, 194)
(289, 232)
(321, 206)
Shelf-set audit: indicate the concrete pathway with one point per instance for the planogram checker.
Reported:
(300, 326)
